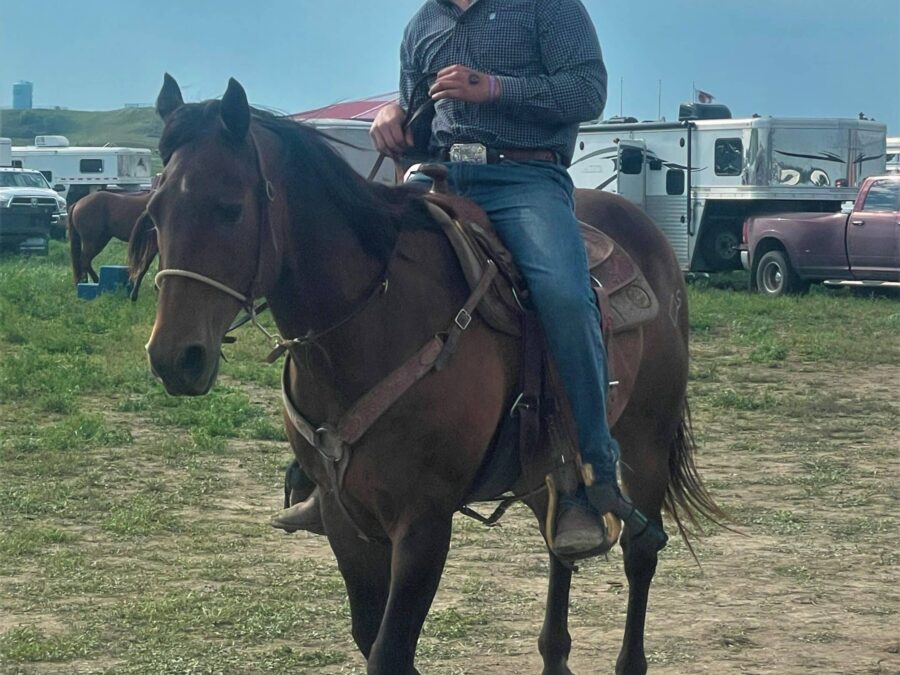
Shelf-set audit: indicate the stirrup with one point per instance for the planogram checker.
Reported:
(609, 523)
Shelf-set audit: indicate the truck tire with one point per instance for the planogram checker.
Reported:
(720, 250)
(775, 276)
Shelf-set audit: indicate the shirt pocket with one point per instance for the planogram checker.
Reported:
(505, 42)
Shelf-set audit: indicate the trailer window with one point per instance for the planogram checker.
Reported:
(729, 156)
(91, 166)
(16, 164)
(48, 175)
(631, 160)
(674, 182)
(883, 197)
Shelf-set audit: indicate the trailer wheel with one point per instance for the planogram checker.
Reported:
(720, 249)
(775, 276)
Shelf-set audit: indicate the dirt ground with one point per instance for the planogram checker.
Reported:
(803, 455)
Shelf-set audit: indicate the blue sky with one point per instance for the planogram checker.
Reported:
(773, 57)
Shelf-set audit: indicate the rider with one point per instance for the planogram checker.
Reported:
(511, 80)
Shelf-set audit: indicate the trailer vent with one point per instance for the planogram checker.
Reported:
(703, 111)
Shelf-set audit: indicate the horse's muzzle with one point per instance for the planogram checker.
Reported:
(189, 370)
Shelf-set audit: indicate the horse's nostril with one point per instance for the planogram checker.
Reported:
(193, 361)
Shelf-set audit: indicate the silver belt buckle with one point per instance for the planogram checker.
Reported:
(474, 153)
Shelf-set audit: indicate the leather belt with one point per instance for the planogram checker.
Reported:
(480, 154)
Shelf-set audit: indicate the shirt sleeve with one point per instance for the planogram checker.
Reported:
(409, 77)
(573, 88)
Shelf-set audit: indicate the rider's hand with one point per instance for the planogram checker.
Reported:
(387, 130)
(464, 84)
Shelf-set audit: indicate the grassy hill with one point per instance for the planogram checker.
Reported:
(129, 127)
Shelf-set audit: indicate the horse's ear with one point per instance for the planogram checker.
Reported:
(236, 110)
(169, 99)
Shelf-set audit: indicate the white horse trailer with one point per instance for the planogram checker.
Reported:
(355, 145)
(85, 169)
(700, 178)
(5, 152)
(893, 155)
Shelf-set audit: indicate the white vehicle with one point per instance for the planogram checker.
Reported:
(893, 155)
(5, 152)
(700, 178)
(29, 210)
(81, 170)
(360, 153)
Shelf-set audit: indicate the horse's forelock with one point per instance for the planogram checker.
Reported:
(188, 122)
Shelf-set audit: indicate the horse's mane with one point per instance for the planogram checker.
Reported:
(374, 211)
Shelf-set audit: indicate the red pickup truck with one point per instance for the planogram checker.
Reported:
(860, 246)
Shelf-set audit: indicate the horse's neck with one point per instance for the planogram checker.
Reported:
(324, 270)
(425, 288)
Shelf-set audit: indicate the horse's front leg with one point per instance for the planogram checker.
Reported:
(555, 642)
(420, 545)
(366, 568)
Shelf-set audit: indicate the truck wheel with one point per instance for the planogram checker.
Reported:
(720, 250)
(775, 276)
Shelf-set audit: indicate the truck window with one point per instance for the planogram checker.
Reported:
(674, 182)
(729, 156)
(883, 197)
(16, 164)
(91, 166)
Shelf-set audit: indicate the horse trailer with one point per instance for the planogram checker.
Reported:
(893, 155)
(5, 152)
(351, 139)
(81, 170)
(700, 178)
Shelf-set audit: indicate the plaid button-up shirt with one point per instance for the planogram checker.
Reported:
(546, 57)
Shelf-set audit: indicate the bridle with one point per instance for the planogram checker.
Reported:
(252, 309)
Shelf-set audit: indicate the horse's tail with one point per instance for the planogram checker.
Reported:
(75, 246)
(686, 495)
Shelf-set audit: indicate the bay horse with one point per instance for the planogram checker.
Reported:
(282, 217)
(96, 219)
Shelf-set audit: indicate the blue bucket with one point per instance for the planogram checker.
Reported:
(114, 277)
(88, 291)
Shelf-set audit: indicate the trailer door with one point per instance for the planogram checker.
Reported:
(632, 163)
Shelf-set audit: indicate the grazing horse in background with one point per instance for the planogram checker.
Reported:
(97, 218)
(283, 217)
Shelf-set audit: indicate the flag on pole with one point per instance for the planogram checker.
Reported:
(703, 96)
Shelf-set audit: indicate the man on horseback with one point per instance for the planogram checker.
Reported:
(510, 81)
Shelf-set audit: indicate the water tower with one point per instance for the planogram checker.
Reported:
(22, 91)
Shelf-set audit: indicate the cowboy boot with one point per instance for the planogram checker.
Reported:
(304, 515)
(575, 530)
(608, 499)
(581, 531)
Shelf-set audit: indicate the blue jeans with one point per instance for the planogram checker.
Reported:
(531, 206)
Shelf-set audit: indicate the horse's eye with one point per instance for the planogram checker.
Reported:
(228, 213)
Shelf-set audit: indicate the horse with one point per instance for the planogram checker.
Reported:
(359, 277)
(97, 218)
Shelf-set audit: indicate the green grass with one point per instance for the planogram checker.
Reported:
(820, 326)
